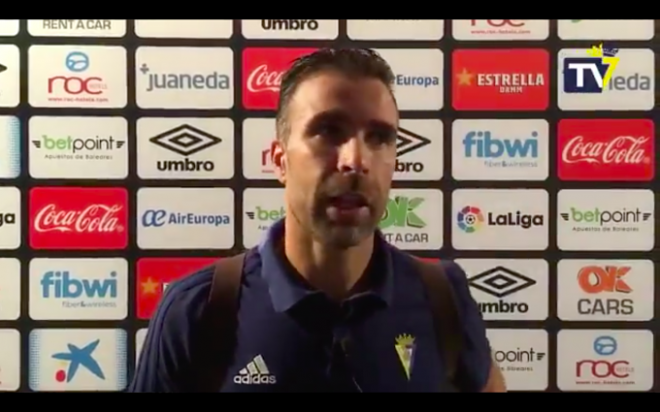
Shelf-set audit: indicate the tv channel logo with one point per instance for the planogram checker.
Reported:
(584, 83)
(77, 360)
(590, 74)
(78, 289)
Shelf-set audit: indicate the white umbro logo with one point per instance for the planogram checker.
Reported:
(255, 373)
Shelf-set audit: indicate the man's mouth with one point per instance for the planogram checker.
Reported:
(348, 201)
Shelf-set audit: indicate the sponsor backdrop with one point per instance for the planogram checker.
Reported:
(133, 152)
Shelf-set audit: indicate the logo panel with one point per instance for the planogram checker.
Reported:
(605, 290)
(10, 360)
(77, 28)
(606, 149)
(263, 69)
(184, 29)
(513, 289)
(9, 27)
(262, 208)
(604, 360)
(10, 218)
(419, 150)
(10, 146)
(500, 219)
(10, 292)
(395, 29)
(184, 77)
(612, 220)
(522, 356)
(418, 77)
(290, 29)
(10, 75)
(168, 220)
(500, 79)
(155, 274)
(140, 337)
(185, 148)
(77, 360)
(501, 29)
(631, 86)
(78, 218)
(491, 149)
(606, 29)
(258, 134)
(78, 289)
(78, 147)
(413, 219)
(77, 76)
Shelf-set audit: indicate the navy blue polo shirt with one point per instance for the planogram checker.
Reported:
(292, 338)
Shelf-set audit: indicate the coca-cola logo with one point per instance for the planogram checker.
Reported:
(264, 79)
(620, 150)
(95, 218)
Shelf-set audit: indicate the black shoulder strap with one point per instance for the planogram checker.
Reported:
(220, 324)
(446, 321)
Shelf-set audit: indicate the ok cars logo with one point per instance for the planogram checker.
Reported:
(76, 62)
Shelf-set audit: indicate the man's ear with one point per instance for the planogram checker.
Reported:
(279, 160)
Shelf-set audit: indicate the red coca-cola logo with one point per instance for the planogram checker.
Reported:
(78, 218)
(263, 69)
(606, 149)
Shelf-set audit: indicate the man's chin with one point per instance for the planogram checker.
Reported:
(344, 236)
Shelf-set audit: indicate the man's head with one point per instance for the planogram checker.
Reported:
(335, 151)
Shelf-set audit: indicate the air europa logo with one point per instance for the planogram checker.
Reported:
(78, 218)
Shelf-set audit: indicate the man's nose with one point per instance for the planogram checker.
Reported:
(354, 156)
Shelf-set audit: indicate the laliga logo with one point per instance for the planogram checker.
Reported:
(608, 57)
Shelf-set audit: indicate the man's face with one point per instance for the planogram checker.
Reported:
(338, 159)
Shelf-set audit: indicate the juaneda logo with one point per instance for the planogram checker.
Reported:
(78, 218)
(606, 149)
(155, 274)
(263, 69)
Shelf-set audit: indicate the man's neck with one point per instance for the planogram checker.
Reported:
(332, 271)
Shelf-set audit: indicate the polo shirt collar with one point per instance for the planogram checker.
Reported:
(286, 290)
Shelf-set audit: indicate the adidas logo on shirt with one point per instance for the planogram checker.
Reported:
(255, 373)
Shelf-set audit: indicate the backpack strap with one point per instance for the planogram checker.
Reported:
(220, 325)
(446, 321)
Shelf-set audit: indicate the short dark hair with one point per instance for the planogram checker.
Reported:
(352, 62)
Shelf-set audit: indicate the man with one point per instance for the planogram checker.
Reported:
(324, 298)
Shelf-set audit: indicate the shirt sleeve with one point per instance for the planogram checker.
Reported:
(475, 359)
(166, 354)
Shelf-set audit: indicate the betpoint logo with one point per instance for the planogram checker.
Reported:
(606, 149)
(263, 69)
(78, 218)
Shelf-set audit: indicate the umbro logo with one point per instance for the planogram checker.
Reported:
(500, 282)
(185, 140)
(407, 141)
(3, 68)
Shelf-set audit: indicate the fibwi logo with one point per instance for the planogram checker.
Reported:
(78, 289)
(77, 360)
(590, 74)
(154, 274)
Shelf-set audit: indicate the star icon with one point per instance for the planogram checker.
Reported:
(77, 357)
(465, 78)
(149, 287)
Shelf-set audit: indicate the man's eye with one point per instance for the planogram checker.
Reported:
(331, 131)
(382, 137)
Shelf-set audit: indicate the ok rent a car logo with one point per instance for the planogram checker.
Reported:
(413, 219)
